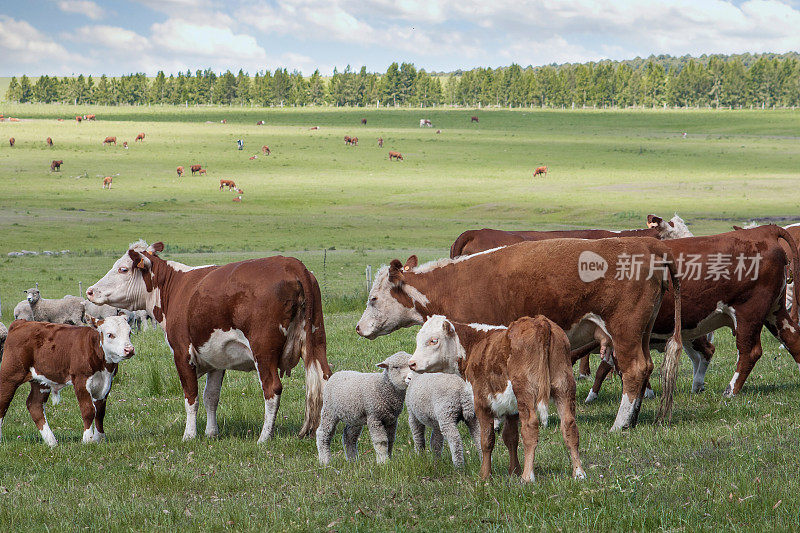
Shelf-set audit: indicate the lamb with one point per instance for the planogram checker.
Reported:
(440, 401)
(3, 335)
(358, 398)
(22, 311)
(99, 311)
(66, 310)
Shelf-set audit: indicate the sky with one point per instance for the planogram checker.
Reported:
(63, 37)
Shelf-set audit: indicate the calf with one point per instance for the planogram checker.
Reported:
(425, 122)
(195, 169)
(110, 140)
(265, 150)
(55, 166)
(125, 144)
(89, 117)
(203, 172)
(380, 142)
(107, 182)
(52, 356)
(230, 184)
(180, 171)
(139, 137)
(473, 119)
(364, 121)
(395, 155)
(513, 371)
(49, 142)
(260, 123)
(78, 118)
(11, 142)
(347, 140)
(540, 170)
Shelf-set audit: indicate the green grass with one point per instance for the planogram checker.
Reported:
(722, 464)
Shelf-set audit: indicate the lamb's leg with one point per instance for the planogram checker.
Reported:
(350, 441)
(211, 394)
(437, 441)
(417, 433)
(450, 432)
(380, 439)
(324, 435)
(391, 432)
(511, 440)
(475, 430)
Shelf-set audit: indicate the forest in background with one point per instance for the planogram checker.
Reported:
(729, 81)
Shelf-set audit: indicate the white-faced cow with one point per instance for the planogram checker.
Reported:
(546, 277)
(262, 314)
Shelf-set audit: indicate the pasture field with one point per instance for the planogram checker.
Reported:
(721, 464)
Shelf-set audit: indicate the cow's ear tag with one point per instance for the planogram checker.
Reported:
(406, 268)
(141, 264)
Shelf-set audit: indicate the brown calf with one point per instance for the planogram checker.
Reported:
(395, 155)
(55, 166)
(139, 137)
(195, 169)
(230, 184)
(180, 171)
(78, 118)
(109, 140)
(49, 141)
(89, 117)
(514, 371)
(540, 170)
(348, 139)
(52, 356)
(265, 150)
(107, 182)
(203, 172)
(314, 128)
(125, 144)
(364, 121)
(473, 119)
(11, 142)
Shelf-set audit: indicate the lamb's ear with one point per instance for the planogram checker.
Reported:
(139, 261)
(396, 273)
(156, 247)
(448, 328)
(382, 365)
(411, 263)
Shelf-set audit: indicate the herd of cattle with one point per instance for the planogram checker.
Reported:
(509, 311)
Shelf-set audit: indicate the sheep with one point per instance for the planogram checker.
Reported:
(357, 398)
(440, 401)
(66, 310)
(22, 311)
(137, 320)
(3, 335)
(99, 311)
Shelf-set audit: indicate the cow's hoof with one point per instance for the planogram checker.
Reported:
(579, 474)
(648, 393)
(592, 396)
(728, 392)
(696, 389)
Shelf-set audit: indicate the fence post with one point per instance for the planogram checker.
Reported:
(368, 272)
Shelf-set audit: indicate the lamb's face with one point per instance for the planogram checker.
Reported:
(438, 348)
(115, 338)
(33, 296)
(396, 367)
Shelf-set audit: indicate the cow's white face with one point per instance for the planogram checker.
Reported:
(115, 338)
(123, 285)
(438, 348)
(384, 312)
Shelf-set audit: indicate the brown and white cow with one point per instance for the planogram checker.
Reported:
(78, 118)
(424, 122)
(265, 150)
(262, 314)
(107, 182)
(547, 278)
(230, 184)
(395, 155)
(49, 142)
(11, 142)
(473, 119)
(180, 171)
(110, 140)
(55, 165)
(363, 122)
(52, 356)
(139, 137)
(540, 170)
(513, 371)
(195, 169)
(737, 280)
(380, 142)
(89, 117)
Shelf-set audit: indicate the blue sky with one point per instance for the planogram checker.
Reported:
(117, 37)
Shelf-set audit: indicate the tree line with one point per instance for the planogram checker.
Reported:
(745, 80)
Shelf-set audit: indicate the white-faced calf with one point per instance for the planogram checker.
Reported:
(514, 371)
(52, 356)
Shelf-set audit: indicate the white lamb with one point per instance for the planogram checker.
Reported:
(66, 310)
(356, 399)
(3, 335)
(440, 401)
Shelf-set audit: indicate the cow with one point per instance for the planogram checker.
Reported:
(314, 128)
(195, 169)
(260, 123)
(354, 141)
(139, 137)
(203, 172)
(55, 166)
(11, 142)
(540, 170)
(107, 182)
(425, 122)
(230, 184)
(561, 279)
(78, 118)
(180, 171)
(735, 279)
(89, 117)
(109, 140)
(438, 132)
(252, 157)
(237, 198)
(125, 144)
(49, 142)
(513, 372)
(363, 122)
(380, 142)
(261, 314)
(395, 155)
(473, 119)
(265, 150)
(52, 356)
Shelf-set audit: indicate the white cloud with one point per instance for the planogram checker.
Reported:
(111, 37)
(84, 7)
(183, 37)
(22, 43)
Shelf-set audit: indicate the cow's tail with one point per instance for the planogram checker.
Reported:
(795, 259)
(535, 335)
(461, 242)
(672, 353)
(314, 354)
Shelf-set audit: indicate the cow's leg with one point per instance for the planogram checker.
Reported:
(350, 441)
(211, 400)
(188, 377)
(511, 440)
(450, 432)
(564, 396)
(99, 416)
(87, 407)
(781, 326)
(485, 419)
(699, 367)
(748, 344)
(380, 439)
(35, 403)
(417, 432)
(437, 441)
(635, 367)
(584, 372)
(271, 386)
(324, 435)
(603, 369)
(7, 389)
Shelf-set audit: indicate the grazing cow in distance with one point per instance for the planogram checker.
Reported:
(139, 137)
(11, 142)
(125, 144)
(314, 128)
(354, 141)
(107, 182)
(230, 184)
(55, 166)
(260, 123)
(180, 171)
(109, 140)
(78, 118)
(513, 372)
(195, 169)
(203, 172)
(438, 132)
(265, 150)
(540, 170)
(262, 315)
(364, 121)
(473, 119)
(89, 117)
(49, 142)
(425, 122)
(395, 155)
(52, 356)
(348, 139)
(253, 157)
(237, 198)
(380, 142)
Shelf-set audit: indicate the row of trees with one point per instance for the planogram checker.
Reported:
(743, 80)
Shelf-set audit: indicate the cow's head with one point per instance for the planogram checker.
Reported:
(438, 348)
(124, 285)
(673, 229)
(396, 369)
(115, 337)
(390, 305)
(33, 296)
